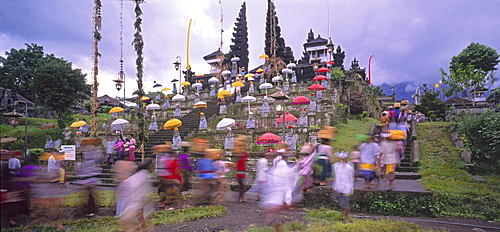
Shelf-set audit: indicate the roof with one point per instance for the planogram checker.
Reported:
(458, 101)
(19, 97)
(316, 42)
(213, 55)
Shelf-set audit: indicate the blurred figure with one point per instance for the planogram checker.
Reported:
(354, 157)
(186, 170)
(206, 174)
(240, 150)
(221, 168)
(88, 171)
(281, 177)
(131, 148)
(260, 176)
(62, 173)
(369, 157)
(14, 164)
(120, 147)
(305, 165)
(110, 152)
(139, 190)
(390, 156)
(52, 168)
(343, 183)
(122, 170)
(324, 152)
(168, 174)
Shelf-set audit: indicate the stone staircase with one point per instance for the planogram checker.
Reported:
(406, 171)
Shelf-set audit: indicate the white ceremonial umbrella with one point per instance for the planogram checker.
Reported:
(213, 80)
(277, 79)
(119, 121)
(197, 85)
(266, 86)
(248, 99)
(153, 106)
(178, 97)
(225, 123)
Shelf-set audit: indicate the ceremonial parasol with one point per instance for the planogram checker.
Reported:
(116, 110)
(7, 140)
(47, 125)
(300, 100)
(165, 89)
(250, 74)
(223, 93)
(78, 124)
(330, 63)
(198, 85)
(288, 118)
(119, 121)
(144, 98)
(248, 99)
(250, 78)
(323, 69)
(172, 123)
(178, 97)
(238, 84)
(320, 78)
(259, 70)
(185, 83)
(213, 80)
(226, 73)
(264, 56)
(277, 79)
(225, 123)
(200, 104)
(156, 85)
(266, 86)
(268, 138)
(316, 86)
(174, 80)
(153, 107)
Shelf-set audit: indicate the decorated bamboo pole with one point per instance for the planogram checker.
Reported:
(95, 70)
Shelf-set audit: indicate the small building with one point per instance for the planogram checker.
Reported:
(8, 98)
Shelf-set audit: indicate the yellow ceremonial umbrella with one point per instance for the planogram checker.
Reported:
(259, 70)
(165, 89)
(185, 83)
(223, 93)
(264, 56)
(238, 84)
(116, 110)
(78, 124)
(172, 123)
(144, 98)
(249, 75)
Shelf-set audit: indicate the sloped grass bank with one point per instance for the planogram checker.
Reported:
(443, 173)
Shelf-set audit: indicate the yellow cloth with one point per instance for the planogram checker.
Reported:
(390, 168)
(364, 166)
(62, 175)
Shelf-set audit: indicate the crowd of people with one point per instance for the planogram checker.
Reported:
(281, 177)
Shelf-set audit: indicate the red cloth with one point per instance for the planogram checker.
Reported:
(172, 168)
(391, 114)
(241, 166)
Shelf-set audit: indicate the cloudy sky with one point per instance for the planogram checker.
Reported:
(411, 40)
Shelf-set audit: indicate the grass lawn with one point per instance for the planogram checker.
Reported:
(444, 174)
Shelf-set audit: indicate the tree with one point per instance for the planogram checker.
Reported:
(44, 79)
(482, 57)
(472, 68)
(432, 104)
(57, 86)
(18, 69)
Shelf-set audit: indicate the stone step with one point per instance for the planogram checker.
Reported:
(407, 169)
(408, 175)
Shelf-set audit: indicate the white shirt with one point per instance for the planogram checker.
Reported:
(14, 165)
(344, 178)
(261, 169)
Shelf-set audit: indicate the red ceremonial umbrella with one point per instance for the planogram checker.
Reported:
(330, 62)
(316, 87)
(47, 125)
(320, 78)
(268, 138)
(300, 100)
(288, 118)
(323, 69)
